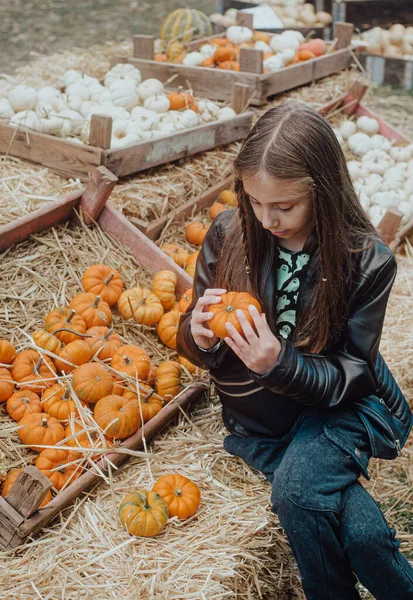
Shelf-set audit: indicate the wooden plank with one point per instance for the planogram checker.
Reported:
(386, 70)
(240, 98)
(368, 13)
(405, 232)
(100, 131)
(245, 19)
(132, 159)
(343, 32)
(28, 491)
(143, 46)
(389, 225)
(251, 61)
(288, 78)
(10, 521)
(155, 228)
(43, 218)
(331, 63)
(50, 151)
(349, 101)
(91, 478)
(96, 194)
(149, 256)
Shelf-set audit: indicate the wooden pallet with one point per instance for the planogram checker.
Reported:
(217, 84)
(72, 160)
(365, 14)
(385, 70)
(20, 515)
(350, 104)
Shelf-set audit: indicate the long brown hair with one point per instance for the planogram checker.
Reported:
(293, 142)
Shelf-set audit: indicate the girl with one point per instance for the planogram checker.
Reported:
(306, 395)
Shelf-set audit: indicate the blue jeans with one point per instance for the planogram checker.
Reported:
(335, 528)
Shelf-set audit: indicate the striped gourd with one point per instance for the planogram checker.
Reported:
(185, 25)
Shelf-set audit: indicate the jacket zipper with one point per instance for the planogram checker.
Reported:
(387, 426)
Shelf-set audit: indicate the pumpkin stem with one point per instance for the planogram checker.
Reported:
(178, 492)
(148, 395)
(96, 302)
(71, 315)
(108, 334)
(39, 364)
(83, 335)
(26, 400)
(229, 308)
(66, 395)
(146, 505)
(130, 306)
(127, 360)
(109, 279)
(44, 422)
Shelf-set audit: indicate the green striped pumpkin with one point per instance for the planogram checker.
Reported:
(184, 25)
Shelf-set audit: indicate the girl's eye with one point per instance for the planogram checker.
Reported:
(253, 201)
(285, 209)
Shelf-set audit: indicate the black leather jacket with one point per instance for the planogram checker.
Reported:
(354, 373)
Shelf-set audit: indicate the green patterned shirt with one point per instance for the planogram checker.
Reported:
(292, 267)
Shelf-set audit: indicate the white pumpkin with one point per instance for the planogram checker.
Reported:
(50, 95)
(386, 200)
(364, 201)
(347, 128)
(260, 45)
(338, 136)
(88, 107)
(166, 128)
(226, 112)
(27, 119)
(238, 34)
(286, 56)
(367, 125)
(294, 34)
(73, 102)
(188, 118)
(51, 122)
(376, 213)
(150, 87)
(379, 142)
(146, 119)
(377, 161)
(408, 186)
(359, 144)
(373, 184)
(208, 110)
(116, 112)
(407, 209)
(324, 18)
(124, 93)
(71, 76)
(273, 63)
(6, 111)
(99, 93)
(159, 104)
(193, 59)
(78, 89)
(208, 50)
(357, 170)
(400, 153)
(123, 72)
(72, 122)
(23, 98)
(124, 133)
(279, 43)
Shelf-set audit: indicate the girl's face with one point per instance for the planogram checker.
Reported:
(282, 206)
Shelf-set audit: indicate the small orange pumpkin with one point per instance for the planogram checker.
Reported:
(85, 439)
(191, 263)
(131, 360)
(143, 513)
(216, 208)
(11, 480)
(141, 305)
(91, 382)
(180, 100)
(304, 55)
(93, 310)
(33, 371)
(118, 386)
(117, 416)
(225, 53)
(317, 46)
(260, 36)
(225, 312)
(180, 493)
(7, 352)
(53, 463)
(6, 384)
(196, 232)
(208, 62)
(168, 379)
(47, 341)
(58, 403)
(179, 254)
(104, 282)
(151, 376)
(229, 198)
(21, 403)
(150, 403)
(163, 286)
(168, 328)
(190, 367)
(65, 324)
(221, 41)
(159, 57)
(40, 428)
(229, 65)
(77, 353)
(103, 342)
(185, 301)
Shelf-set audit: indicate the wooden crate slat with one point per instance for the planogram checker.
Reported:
(369, 13)
(50, 151)
(150, 256)
(40, 219)
(177, 145)
(386, 70)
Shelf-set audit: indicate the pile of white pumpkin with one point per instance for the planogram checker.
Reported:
(396, 42)
(140, 109)
(382, 173)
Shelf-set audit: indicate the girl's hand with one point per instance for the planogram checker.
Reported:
(203, 336)
(258, 352)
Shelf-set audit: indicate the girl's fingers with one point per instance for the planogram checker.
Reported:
(246, 327)
(200, 317)
(260, 321)
(237, 338)
(211, 291)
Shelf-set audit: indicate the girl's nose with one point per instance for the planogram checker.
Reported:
(268, 221)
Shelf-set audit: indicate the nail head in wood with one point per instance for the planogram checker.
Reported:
(100, 131)
(251, 60)
(389, 225)
(28, 491)
(239, 100)
(245, 19)
(144, 46)
(343, 32)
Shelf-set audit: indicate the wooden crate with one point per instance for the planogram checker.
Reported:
(19, 514)
(388, 71)
(365, 14)
(350, 104)
(73, 160)
(217, 84)
(224, 5)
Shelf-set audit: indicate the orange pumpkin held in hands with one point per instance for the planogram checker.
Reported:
(195, 232)
(92, 381)
(103, 342)
(65, 324)
(177, 253)
(143, 513)
(7, 352)
(104, 282)
(131, 360)
(185, 301)
(77, 353)
(168, 379)
(11, 480)
(58, 403)
(33, 371)
(168, 328)
(225, 312)
(163, 286)
(47, 341)
(180, 493)
(53, 463)
(21, 403)
(6, 384)
(141, 305)
(40, 428)
(117, 416)
(94, 311)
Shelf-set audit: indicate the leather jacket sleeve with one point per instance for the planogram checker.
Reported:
(349, 372)
(204, 279)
